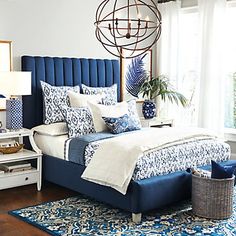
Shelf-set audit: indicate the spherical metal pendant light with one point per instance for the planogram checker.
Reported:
(128, 28)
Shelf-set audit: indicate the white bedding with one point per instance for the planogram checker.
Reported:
(148, 159)
(51, 145)
(112, 167)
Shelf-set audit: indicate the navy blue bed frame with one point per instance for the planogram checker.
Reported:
(142, 195)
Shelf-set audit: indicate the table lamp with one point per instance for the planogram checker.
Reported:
(15, 84)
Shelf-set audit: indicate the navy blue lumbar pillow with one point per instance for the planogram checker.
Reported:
(121, 124)
(221, 172)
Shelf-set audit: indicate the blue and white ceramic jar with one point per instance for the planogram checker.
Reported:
(149, 109)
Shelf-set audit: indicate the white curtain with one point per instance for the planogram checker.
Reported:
(167, 48)
(209, 92)
(211, 86)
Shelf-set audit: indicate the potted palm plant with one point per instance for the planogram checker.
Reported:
(160, 86)
(138, 82)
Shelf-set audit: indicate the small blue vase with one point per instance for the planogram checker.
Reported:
(149, 109)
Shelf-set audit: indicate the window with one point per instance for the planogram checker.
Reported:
(230, 69)
(184, 65)
(188, 65)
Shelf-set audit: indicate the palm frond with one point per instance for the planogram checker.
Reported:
(161, 86)
(136, 75)
(176, 97)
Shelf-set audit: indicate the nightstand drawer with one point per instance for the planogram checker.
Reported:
(156, 122)
(18, 179)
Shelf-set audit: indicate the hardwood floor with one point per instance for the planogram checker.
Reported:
(20, 197)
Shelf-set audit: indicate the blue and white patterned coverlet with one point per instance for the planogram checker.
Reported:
(173, 158)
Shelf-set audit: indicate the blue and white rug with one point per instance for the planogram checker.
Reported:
(82, 216)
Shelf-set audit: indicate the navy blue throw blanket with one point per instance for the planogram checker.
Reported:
(77, 145)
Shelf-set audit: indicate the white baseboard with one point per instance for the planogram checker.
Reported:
(233, 156)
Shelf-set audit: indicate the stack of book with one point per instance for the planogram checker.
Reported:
(15, 166)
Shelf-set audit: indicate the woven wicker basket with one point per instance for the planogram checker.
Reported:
(10, 150)
(212, 198)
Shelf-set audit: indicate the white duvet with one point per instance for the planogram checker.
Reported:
(114, 161)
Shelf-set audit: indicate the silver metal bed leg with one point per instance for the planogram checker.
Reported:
(136, 218)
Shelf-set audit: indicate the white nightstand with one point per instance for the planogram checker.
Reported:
(9, 180)
(156, 122)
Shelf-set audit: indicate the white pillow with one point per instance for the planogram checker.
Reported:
(109, 93)
(99, 111)
(81, 100)
(54, 129)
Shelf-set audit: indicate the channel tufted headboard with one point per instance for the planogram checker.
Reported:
(64, 71)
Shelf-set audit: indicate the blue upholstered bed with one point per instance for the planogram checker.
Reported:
(142, 195)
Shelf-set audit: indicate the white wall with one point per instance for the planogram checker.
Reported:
(192, 3)
(50, 27)
(189, 3)
(233, 149)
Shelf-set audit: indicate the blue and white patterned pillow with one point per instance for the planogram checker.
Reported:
(79, 121)
(121, 124)
(133, 114)
(53, 97)
(109, 93)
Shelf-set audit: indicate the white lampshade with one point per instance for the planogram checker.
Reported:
(15, 83)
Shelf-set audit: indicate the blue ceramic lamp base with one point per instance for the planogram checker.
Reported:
(14, 117)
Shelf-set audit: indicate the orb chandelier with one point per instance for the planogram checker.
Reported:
(128, 28)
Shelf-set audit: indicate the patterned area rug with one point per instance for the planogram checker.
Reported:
(82, 216)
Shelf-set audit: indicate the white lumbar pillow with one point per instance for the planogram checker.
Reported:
(81, 100)
(54, 129)
(99, 111)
